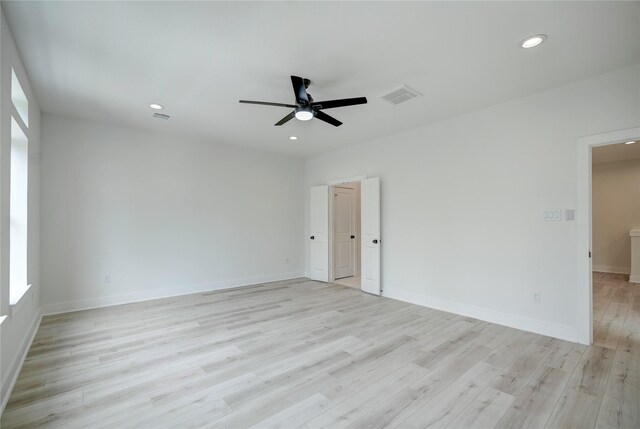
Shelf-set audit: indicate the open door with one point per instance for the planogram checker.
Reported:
(370, 226)
(319, 234)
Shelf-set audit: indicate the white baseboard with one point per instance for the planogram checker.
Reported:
(612, 270)
(9, 379)
(542, 327)
(106, 301)
(634, 279)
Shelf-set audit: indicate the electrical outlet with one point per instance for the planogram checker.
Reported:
(536, 297)
(107, 278)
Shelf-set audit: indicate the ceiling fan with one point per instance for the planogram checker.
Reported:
(305, 108)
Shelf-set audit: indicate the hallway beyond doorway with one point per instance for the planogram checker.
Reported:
(353, 281)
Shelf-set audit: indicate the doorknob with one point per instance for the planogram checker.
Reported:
(353, 236)
(312, 237)
(375, 241)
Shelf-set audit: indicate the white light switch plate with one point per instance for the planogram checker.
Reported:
(552, 215)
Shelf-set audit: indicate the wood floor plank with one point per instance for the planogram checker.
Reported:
(440, 410)
(610, 326)
(485, 411)
(578, 407)
(297, 414)
(591, 375)
(515, 377)
(365, 401)
(575, 409)
(620, 404)
(534, 405)
(397, 408)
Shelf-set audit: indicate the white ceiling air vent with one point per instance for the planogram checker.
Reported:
(400, 95)
(161, 116)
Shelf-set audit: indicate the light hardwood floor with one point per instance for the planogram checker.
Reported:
(353, 281)
(304, 354)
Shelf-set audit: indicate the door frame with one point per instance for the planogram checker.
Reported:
(584, 326)
(331, 184)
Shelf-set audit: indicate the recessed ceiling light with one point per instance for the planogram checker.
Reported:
(629, 142)
(155, 106)
(293, 138)
(533, 41)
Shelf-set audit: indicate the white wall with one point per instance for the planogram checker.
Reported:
(161, 215)
(462, 202)
(616, 210)
(18, 327)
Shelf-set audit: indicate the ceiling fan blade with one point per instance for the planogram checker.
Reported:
(300, 91)
(328, 119)
(286, 119)
(266, 103)
(330, 104)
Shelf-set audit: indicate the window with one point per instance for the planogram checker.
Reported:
(18, 98)
(18, 213)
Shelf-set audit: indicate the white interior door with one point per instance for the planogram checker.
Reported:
(319, 234)
(344, 225)
(370, 227)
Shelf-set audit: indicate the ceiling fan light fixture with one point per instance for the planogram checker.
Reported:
(304, 114)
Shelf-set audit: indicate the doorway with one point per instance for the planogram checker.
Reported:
(321, 237)
(615, 174)
(584, 220)
(345, 218)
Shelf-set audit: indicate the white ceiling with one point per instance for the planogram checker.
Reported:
(108, 61)
(616, 152)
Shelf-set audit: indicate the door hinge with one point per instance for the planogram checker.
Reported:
(589, 253)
